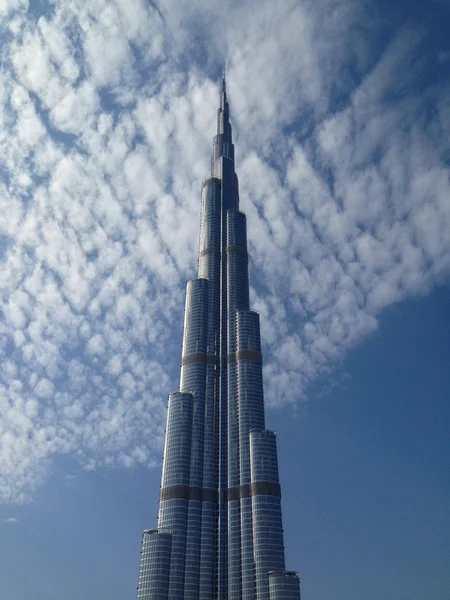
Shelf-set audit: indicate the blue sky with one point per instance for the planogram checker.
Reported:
(341, 114)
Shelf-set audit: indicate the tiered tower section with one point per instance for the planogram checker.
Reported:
(220, 534)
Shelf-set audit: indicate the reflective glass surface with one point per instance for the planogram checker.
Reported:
(284, 586)
(154, 568)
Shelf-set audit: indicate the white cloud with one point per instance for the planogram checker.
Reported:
(10, 520)
(44, 388)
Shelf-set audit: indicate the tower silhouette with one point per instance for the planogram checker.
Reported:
(220, 534)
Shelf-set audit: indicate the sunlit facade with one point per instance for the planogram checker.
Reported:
(220, 493)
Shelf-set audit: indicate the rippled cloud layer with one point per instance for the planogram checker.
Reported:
(107, 112)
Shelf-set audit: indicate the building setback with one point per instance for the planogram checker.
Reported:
(220, 534)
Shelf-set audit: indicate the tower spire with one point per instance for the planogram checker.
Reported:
(223, 89)
(223, 79)
(223, 141)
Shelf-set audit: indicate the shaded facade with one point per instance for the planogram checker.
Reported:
(220, 498)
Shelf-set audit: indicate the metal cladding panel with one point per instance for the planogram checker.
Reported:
(195, 317)
(247, 558)
(250, 398)
(193, 544)
(154, 568)
(177, 449)
(237, 268)
(266, 509)
(247, 330)
(209, 267)
(237, 229)
(209, 242)
(263, 455)
(210, 466)
(222, 147)
(173, 515)
(284, 585)
(193, 379)
(237, 299)
(173, 511)
(250, 408)
(193, 368)
(234, 550)
(208, 565)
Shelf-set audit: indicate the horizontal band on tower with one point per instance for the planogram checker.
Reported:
(210, 250)
(212, 359)
(238, 492)
(201, 357)
(188, 492)
(257, 488)
(236, 250)
(243, 355)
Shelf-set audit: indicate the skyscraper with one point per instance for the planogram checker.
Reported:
(219, 534)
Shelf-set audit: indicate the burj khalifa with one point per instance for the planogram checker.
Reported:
(219, 534)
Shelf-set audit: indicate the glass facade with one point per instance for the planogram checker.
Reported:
(284, 585)
(220, 494)
(154, 568)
